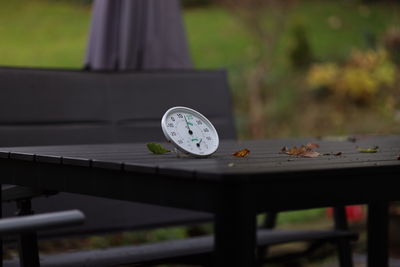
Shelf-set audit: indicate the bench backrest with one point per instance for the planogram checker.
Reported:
(53, 107)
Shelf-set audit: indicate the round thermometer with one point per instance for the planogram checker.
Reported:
(190, 132)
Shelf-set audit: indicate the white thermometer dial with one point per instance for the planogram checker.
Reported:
(190, 131)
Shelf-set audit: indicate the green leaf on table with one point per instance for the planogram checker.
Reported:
(369, 149)
(157, 148)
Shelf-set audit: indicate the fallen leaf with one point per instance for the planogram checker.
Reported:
(369, 149)
(284, 149)
(157, 148)
(338, 154)
(231, 164)
(310, 154)
(303, 151)
(312, 146)
(293, 151)
(242, 153)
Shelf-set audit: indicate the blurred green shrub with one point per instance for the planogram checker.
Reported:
(301, 54)
(360, 79)
(392, 43)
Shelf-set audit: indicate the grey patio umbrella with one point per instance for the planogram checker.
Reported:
(137, 35)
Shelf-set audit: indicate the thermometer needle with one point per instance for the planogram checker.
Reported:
(198, 144)
(187, 123)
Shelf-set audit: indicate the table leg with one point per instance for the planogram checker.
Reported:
(1, 216)
(343, 245)
(235, 237)
(378, 232)
(27, 242)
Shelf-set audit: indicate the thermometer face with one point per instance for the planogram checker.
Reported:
(190, 131)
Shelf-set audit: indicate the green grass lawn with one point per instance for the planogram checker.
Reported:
(42, 33)
(48, 33)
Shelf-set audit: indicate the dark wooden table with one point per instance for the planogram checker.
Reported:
(234, 189)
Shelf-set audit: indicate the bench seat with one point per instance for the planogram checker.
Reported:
(195, 248)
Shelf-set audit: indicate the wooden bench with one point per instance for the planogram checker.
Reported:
(55, 107)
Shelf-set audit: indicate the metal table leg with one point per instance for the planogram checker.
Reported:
(1, 240)
(378, 232)
(235, 235)
(27, 242)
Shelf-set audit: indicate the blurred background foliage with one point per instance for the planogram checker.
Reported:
(296, 67)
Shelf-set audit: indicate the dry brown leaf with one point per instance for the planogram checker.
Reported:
(303, 151)
(242, 153)
(310, 154)
(312, 146)
(293, 151)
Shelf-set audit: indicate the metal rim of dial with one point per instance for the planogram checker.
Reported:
(197, 114)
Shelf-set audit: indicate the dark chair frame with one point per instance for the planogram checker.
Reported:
(27, 226)
(123, 92)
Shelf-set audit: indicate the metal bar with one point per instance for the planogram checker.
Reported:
(40, 222)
